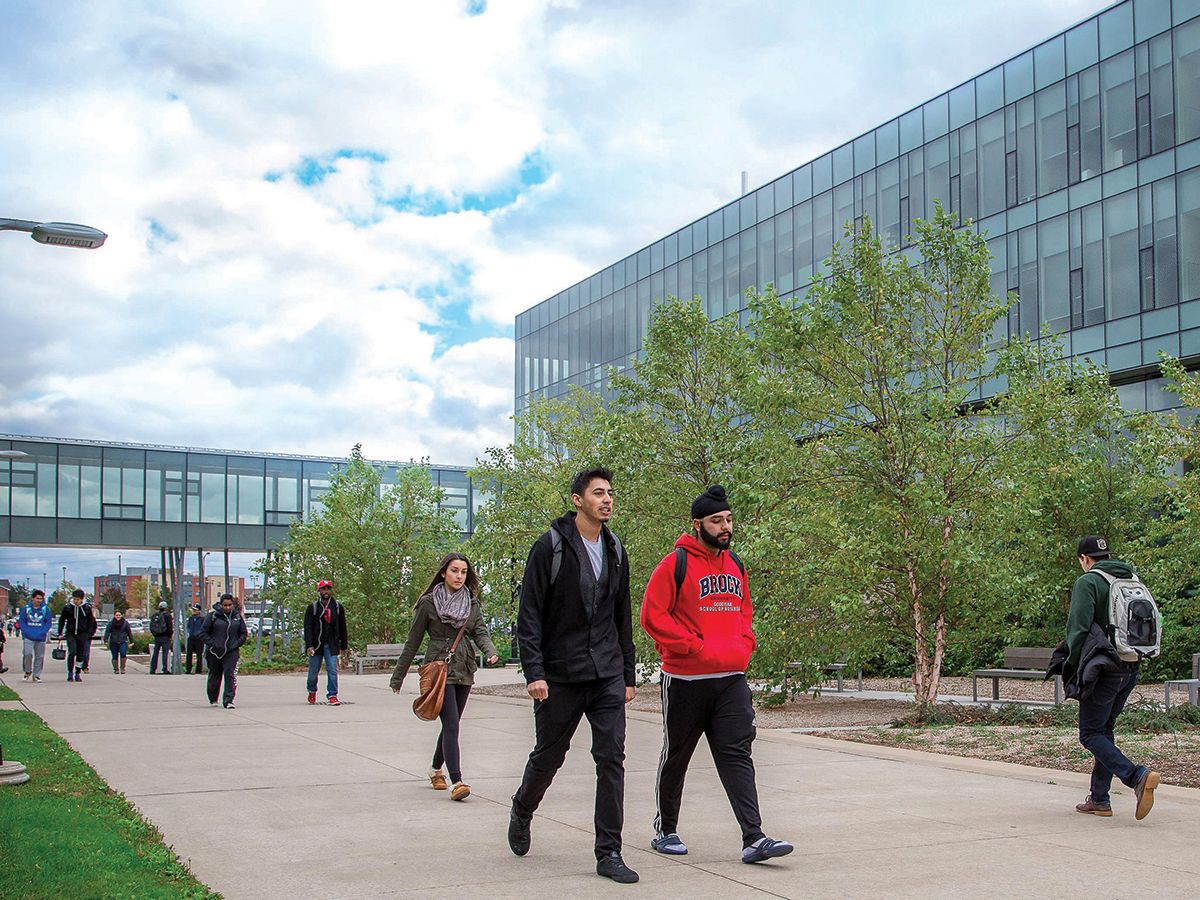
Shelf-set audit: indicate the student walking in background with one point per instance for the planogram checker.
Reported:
(325, 638)
(77, 624)
(118, 635)
(195, 640)
(224, 633)
(162, 626)
(448, 606)
(697, 609)
(35, 621)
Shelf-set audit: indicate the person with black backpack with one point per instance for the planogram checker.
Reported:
(1109, 595)
(697, 609)
(163, 629)
(575, 634)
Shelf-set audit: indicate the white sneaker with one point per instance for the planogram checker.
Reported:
(25, 677)
(37, 678)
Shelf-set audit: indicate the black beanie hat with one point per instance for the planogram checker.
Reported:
(711, 501)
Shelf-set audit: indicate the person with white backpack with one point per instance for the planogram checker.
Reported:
(1110, 595)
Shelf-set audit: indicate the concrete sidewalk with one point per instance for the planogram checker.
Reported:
(279, 799)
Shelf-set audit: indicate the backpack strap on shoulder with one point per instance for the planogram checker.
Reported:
(556, 552)
(741, 566)
(617, 544)
(680, 569)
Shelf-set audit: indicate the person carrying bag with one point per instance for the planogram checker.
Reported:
(447, 610)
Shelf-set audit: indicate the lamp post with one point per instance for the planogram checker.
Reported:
(62, 234)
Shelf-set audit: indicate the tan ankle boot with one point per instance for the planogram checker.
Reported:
(115, 669)
(122, 665)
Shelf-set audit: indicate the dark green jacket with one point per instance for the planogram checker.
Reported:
(1089, 603)
(441, 636)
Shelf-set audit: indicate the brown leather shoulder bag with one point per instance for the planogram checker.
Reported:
(428, 705)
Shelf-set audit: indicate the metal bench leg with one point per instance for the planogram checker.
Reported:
(1058, 690)
(974, 689)
(1167, 697)
(996, 689)
(839, 681)
(860, 681)
(1193, 694)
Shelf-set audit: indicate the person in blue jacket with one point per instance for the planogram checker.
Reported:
(35, 620)
(195, 640)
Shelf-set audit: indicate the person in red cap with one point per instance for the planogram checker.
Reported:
(325, 636)
(697, 609)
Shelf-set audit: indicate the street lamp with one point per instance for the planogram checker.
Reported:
(63, 234)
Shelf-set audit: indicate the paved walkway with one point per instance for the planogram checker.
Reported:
(280, 799)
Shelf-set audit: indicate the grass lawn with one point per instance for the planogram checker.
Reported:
(67, 834)
(7, 693)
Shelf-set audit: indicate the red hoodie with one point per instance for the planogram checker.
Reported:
(706, 630)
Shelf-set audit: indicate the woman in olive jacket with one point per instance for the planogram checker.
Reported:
(449, 603)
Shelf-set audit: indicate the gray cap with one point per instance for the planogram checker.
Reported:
(162, 604)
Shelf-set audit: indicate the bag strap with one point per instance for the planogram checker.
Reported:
(681, 567)
(457, 638)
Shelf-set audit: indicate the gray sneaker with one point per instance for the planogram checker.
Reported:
(668, 844)
(766, 848)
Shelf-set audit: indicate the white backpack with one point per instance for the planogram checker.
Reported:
(1135, 624)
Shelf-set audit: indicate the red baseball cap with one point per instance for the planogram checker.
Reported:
(321, 584)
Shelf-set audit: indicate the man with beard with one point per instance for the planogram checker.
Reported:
(575, 632)
(697, 609)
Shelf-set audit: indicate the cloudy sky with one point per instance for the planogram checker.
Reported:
(323, 217)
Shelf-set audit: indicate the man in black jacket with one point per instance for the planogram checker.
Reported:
(1098, 709)
(224, 633)
(324, 638)
(77, 623)
(575, 633)
(162, 627)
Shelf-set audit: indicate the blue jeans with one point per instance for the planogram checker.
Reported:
(118, 649)
(324, 652)
(1097, 719)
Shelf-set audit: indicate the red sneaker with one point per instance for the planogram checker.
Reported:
(312, 697)
(334, 701)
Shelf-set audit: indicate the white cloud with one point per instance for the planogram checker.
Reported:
(235, 311)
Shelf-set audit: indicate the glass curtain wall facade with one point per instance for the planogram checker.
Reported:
(1079, 159)
(106, 495)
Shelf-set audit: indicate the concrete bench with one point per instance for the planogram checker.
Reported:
(835, 669)
(377, 653)
(1019, 662)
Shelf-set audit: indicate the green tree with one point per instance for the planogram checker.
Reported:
(528, 484)
(114, 596)
(873, 374)
(60, 596)
(378, 544)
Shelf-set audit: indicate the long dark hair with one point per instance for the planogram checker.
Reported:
(471, 584)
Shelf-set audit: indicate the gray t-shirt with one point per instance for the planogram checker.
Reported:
(595, 552)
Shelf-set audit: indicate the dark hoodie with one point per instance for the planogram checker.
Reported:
(318, 632)
(78, 620)
(1089, 603)
(224, 633)
(576, 629)
(706, 629)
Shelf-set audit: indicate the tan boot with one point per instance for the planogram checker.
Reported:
(460, 791)
(1144, 791)
(116, 671)
(122, 665)
(437, 780)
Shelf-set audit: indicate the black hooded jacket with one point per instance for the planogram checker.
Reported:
(563, 633)
(77, 620)
(318, 632)
(1096, 658)
(224, 633)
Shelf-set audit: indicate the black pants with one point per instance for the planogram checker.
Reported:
(163, 644)
(76, 652)
(555, 720)
(446, 750)
(195, 644)
(722, 710)
(1098, 713)
(222, 667)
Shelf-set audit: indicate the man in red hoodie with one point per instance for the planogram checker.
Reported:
(697, 609)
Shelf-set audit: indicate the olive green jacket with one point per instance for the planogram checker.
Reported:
(463, 664)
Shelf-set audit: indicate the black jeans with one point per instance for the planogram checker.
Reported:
(76, 652)
(720, 709)
(1097, 718)
(222, 667)
(555, 720)
(446, 750)
(163, 644)
(195, 644)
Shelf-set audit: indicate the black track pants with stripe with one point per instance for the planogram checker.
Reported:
(721, 710)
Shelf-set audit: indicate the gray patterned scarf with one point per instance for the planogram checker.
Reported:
(453, 609)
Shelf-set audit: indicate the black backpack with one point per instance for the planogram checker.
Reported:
(158, 624)
(556, 550)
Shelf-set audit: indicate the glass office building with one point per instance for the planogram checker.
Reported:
(1079, 159)
(97, 494)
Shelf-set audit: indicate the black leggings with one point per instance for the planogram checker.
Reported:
(446, 750)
